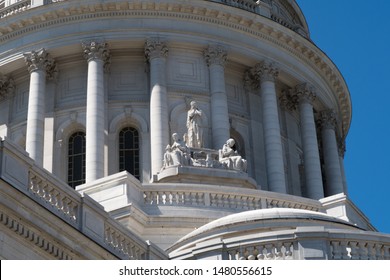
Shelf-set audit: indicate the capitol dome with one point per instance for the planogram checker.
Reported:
(144, 120)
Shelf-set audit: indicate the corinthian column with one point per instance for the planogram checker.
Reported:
(334, 179)
(216, 58)
(97, 56)
(39, 64)
(306, 96)
(7, 88)
(156, 52)
(266, 73)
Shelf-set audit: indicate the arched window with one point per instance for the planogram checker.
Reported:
(129, 151)
(76, 159)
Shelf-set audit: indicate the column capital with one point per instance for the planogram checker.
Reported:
(155, 48)
(215, 55)
(328, 119)
(7, 87)
(265, 71)
(304, 93)
(287, 100)
(40, 60)
(97, 50)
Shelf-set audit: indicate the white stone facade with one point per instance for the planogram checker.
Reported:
(100, 69)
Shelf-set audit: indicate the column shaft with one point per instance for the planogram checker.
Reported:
(39, 65)
(97, 56)
(156, 52)
(311, 155)
(272, 137)
(334, 180)
(36, 116)
(313, 175)
(95, 121)
(216, 58)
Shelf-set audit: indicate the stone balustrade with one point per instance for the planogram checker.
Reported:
(55, 195)
(342, 246)
(222, 197)
(18, 171)
(15, 8)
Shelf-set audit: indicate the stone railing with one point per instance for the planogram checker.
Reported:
(342, 246)
(55, 195)
(247, 5)
(15, 8)
(222, 197)
(20, 172)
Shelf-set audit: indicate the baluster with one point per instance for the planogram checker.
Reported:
(147, 198)
(288, 251)
(378, 250)
(371, 251)
(386, 252)
(219, 200)
(354, 250)
(193, 198)
(46, 192)
(270, 251)
(260, 252)
(250, 253)
(201, 200)
(65, 206)
(180, 199)
(187, 198)
(336, 250)
(232, 255)
(363, 252)
(239, 204)
(278, 251)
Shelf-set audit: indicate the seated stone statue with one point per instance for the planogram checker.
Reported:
(177, 154)
(230, 158)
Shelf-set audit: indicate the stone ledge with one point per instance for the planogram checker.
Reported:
(204, 175)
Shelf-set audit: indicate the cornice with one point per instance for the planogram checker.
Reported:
(34, 237)
(198, 11)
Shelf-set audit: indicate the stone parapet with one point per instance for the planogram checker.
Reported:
(18, 171)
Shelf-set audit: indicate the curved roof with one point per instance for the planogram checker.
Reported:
(268, 218)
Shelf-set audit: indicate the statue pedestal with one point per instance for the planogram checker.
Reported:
(205, 175)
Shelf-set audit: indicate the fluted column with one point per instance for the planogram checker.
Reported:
(7, 89)
(216, 58)
(39, 64)
(97, 56)
(334, 181)
(306, 96)
(266, 73)
(156, 52)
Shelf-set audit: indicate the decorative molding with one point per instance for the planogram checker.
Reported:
(154, 48)
(34, 237)
(328, 119)
(283, 38)
(41, 60)
(265, 71)
(304, 93)
(215, 55)
(96, 50)
(7, 87)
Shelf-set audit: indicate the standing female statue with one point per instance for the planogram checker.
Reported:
(194, 126)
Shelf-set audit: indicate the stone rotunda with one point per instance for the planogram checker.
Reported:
(172, 129)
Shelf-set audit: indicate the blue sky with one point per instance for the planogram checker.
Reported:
(355, 34)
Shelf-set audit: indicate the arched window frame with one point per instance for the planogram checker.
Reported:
(76, 159)
(129, 151)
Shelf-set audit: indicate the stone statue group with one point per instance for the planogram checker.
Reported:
(190, 151)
